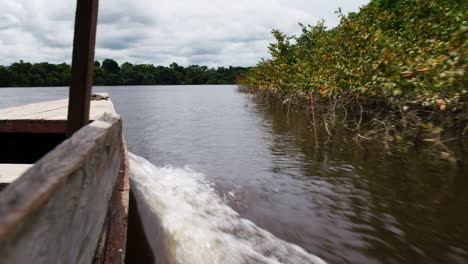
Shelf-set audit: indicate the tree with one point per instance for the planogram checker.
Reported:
(5, 76)
(110, 66)
(109, 73)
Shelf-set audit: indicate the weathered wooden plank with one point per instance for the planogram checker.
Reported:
(117, 236)
(47, 117)
(112, 243)
(54, 110)
(10, 172)
(55, 212)
(33, 126)
(82, 64)
(24, 111)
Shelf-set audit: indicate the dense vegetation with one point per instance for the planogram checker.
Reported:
(397, 67)
(110, 73)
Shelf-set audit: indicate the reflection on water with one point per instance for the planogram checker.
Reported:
(371, 206)
(343, 201)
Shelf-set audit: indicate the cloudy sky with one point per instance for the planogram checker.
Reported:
(205, 32)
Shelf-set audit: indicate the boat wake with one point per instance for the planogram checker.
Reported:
(186, 222)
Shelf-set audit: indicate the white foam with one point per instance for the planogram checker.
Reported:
(186, 222)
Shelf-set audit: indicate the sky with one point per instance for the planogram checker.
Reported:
(204, 32)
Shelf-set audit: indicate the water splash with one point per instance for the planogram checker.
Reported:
(186, 222)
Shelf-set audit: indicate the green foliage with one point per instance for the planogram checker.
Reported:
(410, 53)
(110, 66)
(109, 73)
(385, 4)
(39, 74)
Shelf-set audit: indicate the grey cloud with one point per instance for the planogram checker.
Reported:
(119, 39)
(204, 32)
(124, 19)
(202, 60)
(8, 21)
(205, 51)
(114, 44)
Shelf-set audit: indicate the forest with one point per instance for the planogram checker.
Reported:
(395, 71)
(25, 74)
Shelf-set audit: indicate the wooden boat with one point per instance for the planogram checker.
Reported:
(62, 200)
(64, 170)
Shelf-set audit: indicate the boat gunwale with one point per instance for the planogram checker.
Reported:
(15, 205)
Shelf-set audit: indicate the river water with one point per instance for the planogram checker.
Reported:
(344, 202)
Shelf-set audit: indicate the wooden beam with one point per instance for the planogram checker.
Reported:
(56, 211)
(82, 64)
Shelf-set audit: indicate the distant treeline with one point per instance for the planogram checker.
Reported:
(25, 74)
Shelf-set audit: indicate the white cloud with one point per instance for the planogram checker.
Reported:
(205, 32)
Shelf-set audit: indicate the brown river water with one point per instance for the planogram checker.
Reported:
(253, 168)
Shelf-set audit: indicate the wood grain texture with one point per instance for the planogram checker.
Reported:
(117, 236)
(47, 117)
(55, 212)
(53, 110)
(33, 126)
(82, 64)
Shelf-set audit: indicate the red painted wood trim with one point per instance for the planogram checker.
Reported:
(31, 126)
(117, 235)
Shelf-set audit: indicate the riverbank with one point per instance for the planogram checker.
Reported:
(433, 133)
(393, 72)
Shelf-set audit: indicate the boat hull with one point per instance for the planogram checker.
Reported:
(61, 209)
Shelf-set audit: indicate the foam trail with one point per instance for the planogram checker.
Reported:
(187, 223)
